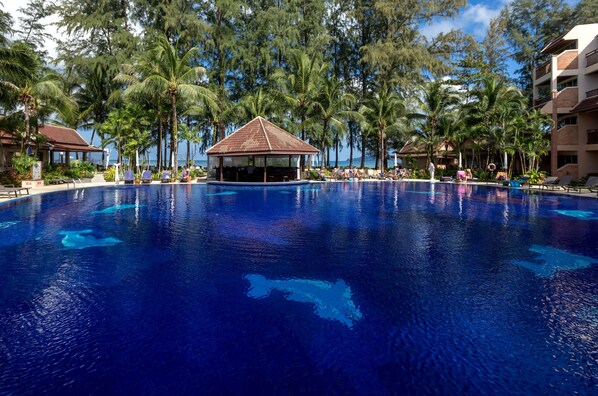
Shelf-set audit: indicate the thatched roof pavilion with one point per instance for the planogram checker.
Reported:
(259, 151)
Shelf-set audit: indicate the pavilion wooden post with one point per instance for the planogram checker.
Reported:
(67, 158)
(84, 156)
(221, 165)
(265, 168)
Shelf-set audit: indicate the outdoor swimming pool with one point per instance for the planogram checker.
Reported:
(343, 288)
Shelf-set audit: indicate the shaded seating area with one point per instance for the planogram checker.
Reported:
(258, 152)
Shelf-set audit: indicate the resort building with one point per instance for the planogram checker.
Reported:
(259, 151)
(56, 146)
(567, 88)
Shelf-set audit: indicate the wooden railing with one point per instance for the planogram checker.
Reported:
(592, 136)
(592, 58)
(591, 93)
(543, 70)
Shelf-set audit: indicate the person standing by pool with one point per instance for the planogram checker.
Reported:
(431, 168)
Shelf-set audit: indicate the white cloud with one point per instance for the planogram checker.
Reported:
(473, 19)
(12, 7)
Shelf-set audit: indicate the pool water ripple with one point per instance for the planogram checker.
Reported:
(342, 288)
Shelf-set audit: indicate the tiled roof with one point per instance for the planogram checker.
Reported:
(59, 138)
(260, 137)
(586, 105)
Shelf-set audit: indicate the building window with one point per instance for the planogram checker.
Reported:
(566, 121)
(566, 159)
(568, 83)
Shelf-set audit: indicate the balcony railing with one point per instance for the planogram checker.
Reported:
(593, 92)
(543, 70)
(592, 58)
(540, 101)
(592, 136)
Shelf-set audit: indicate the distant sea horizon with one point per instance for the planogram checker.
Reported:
(204, 163)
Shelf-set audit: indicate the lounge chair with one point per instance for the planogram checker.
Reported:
(9, 190)
(165, 177)
(185, 176)
(446, 178)
(563, 183)
(591, 185)
(550, 180)
(129, 177)
(146, 176)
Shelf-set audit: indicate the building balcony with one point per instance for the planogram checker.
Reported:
(567, 60)
(592, 136)
(543, 70)
(593, 92)
(541, 101)
(568, 98)
(567, 136)
(592, 58)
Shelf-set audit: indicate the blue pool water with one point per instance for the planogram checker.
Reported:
(341, 288)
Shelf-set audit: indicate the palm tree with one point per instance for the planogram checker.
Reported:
(494, 108)
(329, 111)
(260, 104)
(38, 89)
(163, 72)
(16, 63)
(432, 118)
(300, 87)
(379, 116)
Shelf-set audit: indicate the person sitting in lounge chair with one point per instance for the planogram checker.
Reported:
(461, 176)
(185, 176)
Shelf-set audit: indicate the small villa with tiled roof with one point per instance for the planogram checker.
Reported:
(259, 151)
(57, 140)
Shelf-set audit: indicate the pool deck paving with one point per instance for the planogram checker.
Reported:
(62, 187)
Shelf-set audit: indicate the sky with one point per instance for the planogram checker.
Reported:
(474, 19)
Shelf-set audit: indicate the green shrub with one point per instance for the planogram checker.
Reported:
(109, 174)
(79, 169)
(10, 177)
(535, 176)
(23, 164)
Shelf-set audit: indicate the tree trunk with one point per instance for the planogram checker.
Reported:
(302, 159)
(27, 126)
(188, 157)
(159, 143)
(336, 159)
(351, 144)
(362, 150)
(174, 138)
